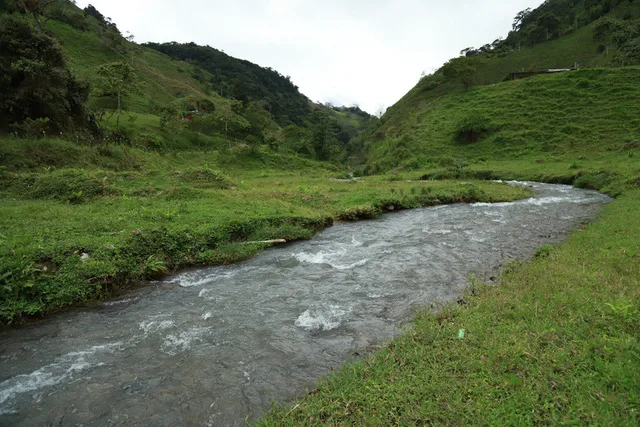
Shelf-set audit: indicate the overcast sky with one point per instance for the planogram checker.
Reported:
(364, 52)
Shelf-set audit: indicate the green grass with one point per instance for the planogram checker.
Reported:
(584, 118)
(557, 342)
(127, 209)
(578, 46)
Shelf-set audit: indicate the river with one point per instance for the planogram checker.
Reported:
(215, 346)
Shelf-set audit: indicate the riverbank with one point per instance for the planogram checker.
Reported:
(82, 223)
(556, 342)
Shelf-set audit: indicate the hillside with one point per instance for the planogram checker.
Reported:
(566, 122)
(570, 46)
(181, 96)
(243, 80)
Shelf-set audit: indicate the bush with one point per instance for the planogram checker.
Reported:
(473, 128)
(150, 142)
(120, 136)
(35, 80)
(33, 129)
(594, 181)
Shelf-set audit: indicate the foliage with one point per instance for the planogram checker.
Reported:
(180, 210)
(32, 129)
(35, 81)
(462, 68)
(206, 177)
(244, 81)
(113, 83)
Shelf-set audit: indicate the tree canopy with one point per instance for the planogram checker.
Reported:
(462, 68)
(34, 79)
(244, 81)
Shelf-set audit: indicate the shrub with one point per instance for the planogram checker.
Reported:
(473, 128)
(69, 185)
(206, 177)
(150, 142)
(33, 129)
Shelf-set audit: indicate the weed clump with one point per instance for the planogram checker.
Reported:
(205, 177)
(69, 185)
(473, 128)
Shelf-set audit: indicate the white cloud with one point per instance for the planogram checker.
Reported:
(368, 53)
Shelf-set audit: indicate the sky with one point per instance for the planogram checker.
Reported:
(347, 52)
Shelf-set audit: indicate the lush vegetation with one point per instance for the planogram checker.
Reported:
(122, 162)
(582, 45)
(243, 80)
(190, 97)
(81, 222)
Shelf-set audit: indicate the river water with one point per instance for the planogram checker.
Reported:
(215, 346)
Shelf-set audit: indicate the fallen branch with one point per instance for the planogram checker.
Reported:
(265, 241)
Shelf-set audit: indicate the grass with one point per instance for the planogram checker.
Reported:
(80, 223)
(579, 116)
(557, 342)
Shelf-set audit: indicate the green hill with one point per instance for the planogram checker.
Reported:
(565, 123)
(422, 124)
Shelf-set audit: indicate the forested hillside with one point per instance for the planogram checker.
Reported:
(243, 80)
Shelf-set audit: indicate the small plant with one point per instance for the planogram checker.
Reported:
(206, 177)
(623, 310)
(154, 266)
(543, 251)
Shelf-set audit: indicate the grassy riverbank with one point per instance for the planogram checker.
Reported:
(79, 223)
(556, 342)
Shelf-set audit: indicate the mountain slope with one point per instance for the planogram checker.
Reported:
(243, 80)
(573, 47)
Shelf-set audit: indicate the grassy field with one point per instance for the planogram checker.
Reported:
(79, 223)
(583, 119)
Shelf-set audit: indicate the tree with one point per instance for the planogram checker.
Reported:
(518, 21)
(550, 23)
(461, 68)
(324, 134)
(35, 82)
(114, 82)
(611, 31)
